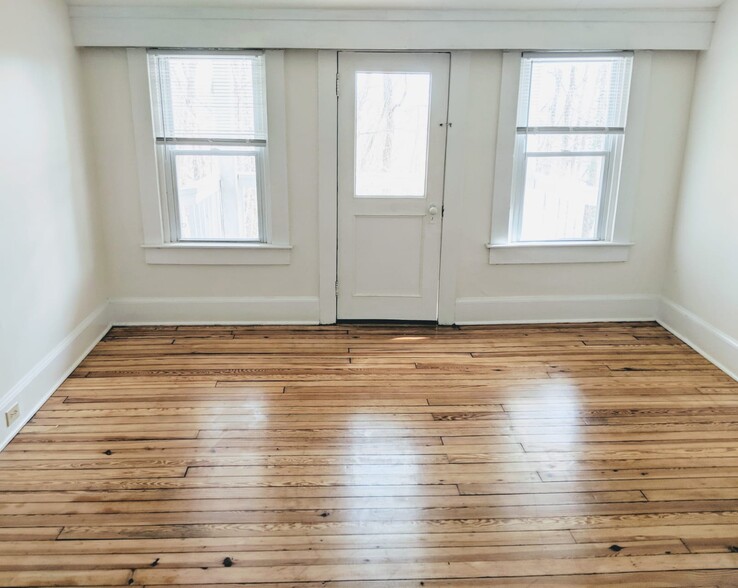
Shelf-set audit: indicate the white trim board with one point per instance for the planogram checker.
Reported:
(151, 26)
(218, 254)
(48, 374)
(530, 253)
(328, 183)
(263, 310)
(713, 344)
(555, 309)
(454, 187)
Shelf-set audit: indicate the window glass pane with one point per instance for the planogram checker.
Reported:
(588, 91)
(392, 119)
(570, 143)
(561, 198)
(217, 194)
(209, 96)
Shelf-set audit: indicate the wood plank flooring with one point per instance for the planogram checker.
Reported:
(383, 456)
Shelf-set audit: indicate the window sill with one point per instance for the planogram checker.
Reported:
(218, 254)
(569, 252)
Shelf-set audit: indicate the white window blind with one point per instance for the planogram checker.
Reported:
(210, 96)
(571, 121)
(572, 92)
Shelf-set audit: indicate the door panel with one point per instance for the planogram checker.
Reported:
(391, 265)
(391, 142)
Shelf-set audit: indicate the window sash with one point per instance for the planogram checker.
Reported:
(167, 158)
(211, 142)
(571, 130)
(164, 124)
(611, 156)
(618, 108)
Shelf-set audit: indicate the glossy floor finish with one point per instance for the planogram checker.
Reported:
(382, 456)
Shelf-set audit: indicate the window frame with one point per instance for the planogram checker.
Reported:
(611, 155)
(615, 220)
(158, 211)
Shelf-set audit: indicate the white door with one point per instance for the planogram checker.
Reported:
(392, 111)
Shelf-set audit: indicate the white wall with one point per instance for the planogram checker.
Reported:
(490, 289)
(702, 282)
(52, 267)
(107, 86)
(568, 291)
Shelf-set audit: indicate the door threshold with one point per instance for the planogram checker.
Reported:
(389, 322)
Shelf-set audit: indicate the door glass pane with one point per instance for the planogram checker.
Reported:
(392, 119)
(217, 195)
(561, 198)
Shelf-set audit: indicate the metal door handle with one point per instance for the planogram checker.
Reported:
(433, 210)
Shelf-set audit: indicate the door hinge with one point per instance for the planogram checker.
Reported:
(336, 287)
(338, 85)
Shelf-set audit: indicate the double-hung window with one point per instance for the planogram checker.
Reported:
(209, 113)
(572, 112)
(211, 149)
(570, 129)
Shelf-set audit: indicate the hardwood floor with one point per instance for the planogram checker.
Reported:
(382, 456)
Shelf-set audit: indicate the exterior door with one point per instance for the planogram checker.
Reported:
(392, 112)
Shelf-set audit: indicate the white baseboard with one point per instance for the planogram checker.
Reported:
(555, 309)
(706, 339)
(49, 373)
(273, 310)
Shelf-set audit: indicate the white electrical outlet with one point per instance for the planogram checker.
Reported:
(12, 414)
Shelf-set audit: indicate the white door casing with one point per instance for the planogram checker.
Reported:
(392, 124)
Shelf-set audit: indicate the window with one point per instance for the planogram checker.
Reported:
(211, 151)
(566, 150)
(210, 126)
(572, 112)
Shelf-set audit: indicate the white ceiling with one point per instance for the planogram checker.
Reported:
(417, 4)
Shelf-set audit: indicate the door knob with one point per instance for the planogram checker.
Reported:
(433, 210)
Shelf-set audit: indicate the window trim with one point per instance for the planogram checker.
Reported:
(158, 247)
(616, 247)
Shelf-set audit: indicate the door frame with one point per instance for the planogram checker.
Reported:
(453, 188)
